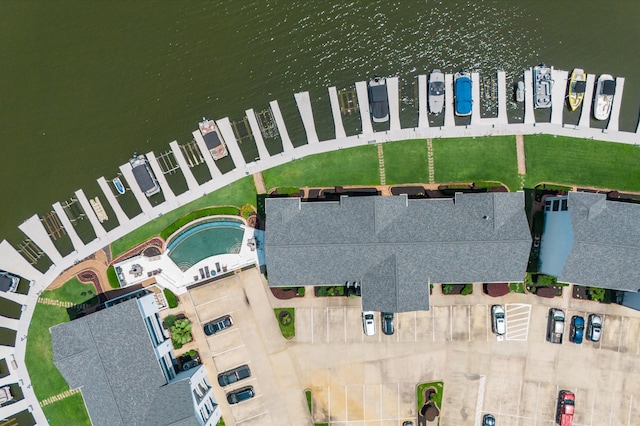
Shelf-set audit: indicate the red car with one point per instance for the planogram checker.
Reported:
(566, 405)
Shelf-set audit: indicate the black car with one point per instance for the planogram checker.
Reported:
(212, 327)
(488, 420)
(387, 323)
(240, 395)
(378, 100)
(234, 375)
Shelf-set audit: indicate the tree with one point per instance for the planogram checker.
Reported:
(596, 294)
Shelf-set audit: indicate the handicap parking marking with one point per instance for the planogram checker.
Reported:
(517, 317)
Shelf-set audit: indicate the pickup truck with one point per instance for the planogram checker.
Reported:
(555, 325)
(566, 405)
(234, 375)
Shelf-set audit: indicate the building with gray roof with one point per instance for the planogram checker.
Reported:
(395, 247)
(590, 241)
(121, 361)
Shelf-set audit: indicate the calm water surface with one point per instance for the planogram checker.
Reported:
(85, 84)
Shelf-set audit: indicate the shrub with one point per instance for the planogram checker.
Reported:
(321, 291)
(172, 300)
(300, 291)
(247, 210)
(468, 289)
(447, 288)
(180, 333)
(596, 294)
(169, 321)
(192, 353)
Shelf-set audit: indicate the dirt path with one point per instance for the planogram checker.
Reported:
(522, 167)
(258, 181)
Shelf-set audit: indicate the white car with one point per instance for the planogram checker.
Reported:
(498, 322)
(368, 323)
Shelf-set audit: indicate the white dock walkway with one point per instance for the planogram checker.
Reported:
(394, 102)
(363, 103)
(282, 128)
(423, 117)
(11, 260)
(91, 215)
(614, 120)
(558, 95)
(211, 164)
(232, 144)
(16, 297)
(117, 209)
(142, 199)
(68, 226)
(529, 114)
(10, 323)
(162, 180)
(34, 229)
(335, 111)
(587, 102)
(449, 107)
(306, 113)
(263, 152)
(192, 183)
(502, 98)
(475, 92)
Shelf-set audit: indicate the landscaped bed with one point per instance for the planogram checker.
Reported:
(287, 321)
(429, 398)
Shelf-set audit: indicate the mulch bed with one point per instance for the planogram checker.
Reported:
(496, 289)
(156, 241)
(455, 290)
(283, 294)
(547, 291)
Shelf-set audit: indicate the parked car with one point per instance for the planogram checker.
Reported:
(213, 327)
(498, 321)
(368, 323)
(387, 323)
(566, 408)
(240, 395)
(407, 423)
(577, 329)
(594, 328)
(555, 325)
(235, 375)
(488, 420)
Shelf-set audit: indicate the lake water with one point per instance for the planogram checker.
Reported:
(85, 84)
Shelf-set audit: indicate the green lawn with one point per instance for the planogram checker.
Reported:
(351, 166)
(581, 162)
(288, 330)
(439, 387)
(72, 291)
(406, 161)
(236, 194)
(68, 411)
(480, 159)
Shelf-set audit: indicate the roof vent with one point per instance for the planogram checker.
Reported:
(486, 217)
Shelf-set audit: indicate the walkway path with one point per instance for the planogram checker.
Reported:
(258, 181)
(55, 398)
(430, 159)
(383, 176)
(522, 166)
(54, 302)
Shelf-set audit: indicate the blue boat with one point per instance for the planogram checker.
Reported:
(119, 186)
(462, 91)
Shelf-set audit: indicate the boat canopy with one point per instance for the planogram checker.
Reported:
(463, 95)
(579, 86)
(436, 88)
(609, 87)
(379, 101)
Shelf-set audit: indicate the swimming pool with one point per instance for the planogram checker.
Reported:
(205, 239)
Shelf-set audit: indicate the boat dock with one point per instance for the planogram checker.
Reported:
(40, 233)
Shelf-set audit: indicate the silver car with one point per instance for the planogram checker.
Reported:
(368, 323)
(594, 328)
(498, 321)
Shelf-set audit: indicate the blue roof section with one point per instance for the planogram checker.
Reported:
(556, 243)
(463, 95)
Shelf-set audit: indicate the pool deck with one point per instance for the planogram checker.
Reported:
(11, 260)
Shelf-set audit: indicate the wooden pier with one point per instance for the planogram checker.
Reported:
(263, 153)
(347, 101)
(232, 145)
(476, 99)
(68, 226)
(113, 202)
(178, 153)
(159, 173)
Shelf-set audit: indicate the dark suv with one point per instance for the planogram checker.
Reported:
(240, 395)
(212, 327)
(234, 375)
(387, 323)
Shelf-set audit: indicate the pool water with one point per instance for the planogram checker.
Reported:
(205, 240)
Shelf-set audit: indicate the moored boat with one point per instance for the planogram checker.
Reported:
(436, 91)
(577, 87)
(143, 175)
(542, 84)
(462, 92)
(520, 91)
(8, 282)
(213, 139)
(378, 100)
(605, 90)
(118, 185)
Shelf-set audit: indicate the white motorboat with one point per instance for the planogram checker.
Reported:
(436, 92)
(605, 91)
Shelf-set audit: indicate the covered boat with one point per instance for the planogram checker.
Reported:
(143, 175)
(378, 100)
(577, 87)
(212, 138)
(8, 282)
(605, 90)
(542, 83)
(462, 92)
(436, 92)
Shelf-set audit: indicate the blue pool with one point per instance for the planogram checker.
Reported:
(205, 239)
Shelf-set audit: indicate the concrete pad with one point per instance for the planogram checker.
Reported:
(303, 325)
(529, 399)
(611, 329)
(479, 317)
(603, 404)
(319, 404)
(524, 421)
(407, 400)
(585, 398)
(629, 337)
(336, 327)
(355, 402)
(338, 403)
(442, 323)
(214, 310)
(207, 294)
(225, 341)
(547, 400)
(372, 403)
(406, 326)
(460, 323)
(319, 322)
(511, 395)
(424, 326)
(389, 402)
(354, 325)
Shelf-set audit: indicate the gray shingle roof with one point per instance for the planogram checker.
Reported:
(606, 242)
(396, 246)
(109, 356)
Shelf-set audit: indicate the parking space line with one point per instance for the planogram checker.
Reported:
(312, 341)
(326, 312)
(228, 350)
(519, 399)
(469, 320)
(398, 408)
(488, 325)
(537, 403)
(345, 324)
(252, 417)
(415, 327)
(433, 327)
(611, 407)
(208, 301)
(630, 406)
(329, 401)
(450, 324)
(480, 400)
